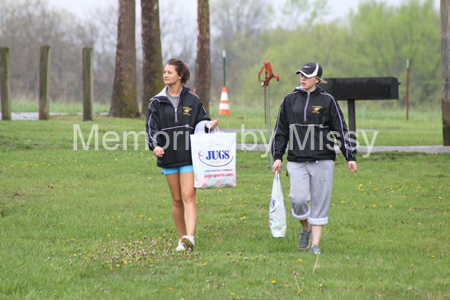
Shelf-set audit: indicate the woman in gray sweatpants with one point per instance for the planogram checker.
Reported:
(310, 120)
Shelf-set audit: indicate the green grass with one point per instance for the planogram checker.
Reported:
(56, 107)
(71, 218)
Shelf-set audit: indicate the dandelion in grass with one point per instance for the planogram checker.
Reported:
(273, 281)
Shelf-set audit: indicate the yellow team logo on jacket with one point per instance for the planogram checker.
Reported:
(186, 111)
(316, 109)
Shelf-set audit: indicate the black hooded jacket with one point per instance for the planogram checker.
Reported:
(310, 122)
(170, 127)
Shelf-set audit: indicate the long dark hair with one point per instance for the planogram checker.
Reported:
(181, 68)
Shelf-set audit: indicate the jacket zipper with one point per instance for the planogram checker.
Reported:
(176, 109)
(306, 107)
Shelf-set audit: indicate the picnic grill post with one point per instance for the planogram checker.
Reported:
(362, 88)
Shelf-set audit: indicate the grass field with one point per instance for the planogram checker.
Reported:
(97, 224)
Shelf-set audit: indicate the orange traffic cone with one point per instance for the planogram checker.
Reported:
(224, 109)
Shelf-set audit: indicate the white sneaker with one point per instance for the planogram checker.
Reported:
(180, 246)
(188, 242)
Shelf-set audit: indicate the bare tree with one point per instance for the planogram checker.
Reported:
(124, 102)
(237, 28)
(203, 67)
(177, 37)
(152, 69)
(25, 25)
(104, 20)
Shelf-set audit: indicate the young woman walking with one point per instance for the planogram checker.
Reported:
(173, 115)
(309, 119)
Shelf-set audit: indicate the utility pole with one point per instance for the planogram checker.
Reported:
(445, 70)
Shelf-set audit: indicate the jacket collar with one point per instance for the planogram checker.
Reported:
(317, 91)
(163, 93)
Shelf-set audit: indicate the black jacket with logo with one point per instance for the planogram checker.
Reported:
(170, 127)
(309, 122)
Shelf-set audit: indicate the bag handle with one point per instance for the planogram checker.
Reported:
(217, 130)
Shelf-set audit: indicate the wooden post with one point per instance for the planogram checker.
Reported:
(407, 89)
(352, 118)
(445, 70)
(5, 84)
(88, 83)
(44, 75)
(351, 115)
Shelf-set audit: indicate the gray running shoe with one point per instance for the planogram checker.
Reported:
(303, 242)
(315, 249)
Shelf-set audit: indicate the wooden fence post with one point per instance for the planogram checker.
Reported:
(88, 83)
(445, 70)
(5, 84)
(44, 75)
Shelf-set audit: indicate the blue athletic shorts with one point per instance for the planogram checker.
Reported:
(183, 169)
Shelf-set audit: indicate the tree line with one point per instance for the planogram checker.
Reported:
(374, 40)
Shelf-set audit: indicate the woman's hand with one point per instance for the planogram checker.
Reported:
(158, 151)
(213, 124)
(276, 167)
(352, 166)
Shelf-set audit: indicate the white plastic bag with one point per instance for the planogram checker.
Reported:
(277, 209)
(214, 160)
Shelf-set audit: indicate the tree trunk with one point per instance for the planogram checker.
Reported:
(152, 68)
(203, 67)
(88, 83)
(445, 70)
(124, 102)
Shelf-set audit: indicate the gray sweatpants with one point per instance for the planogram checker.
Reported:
(311, 182)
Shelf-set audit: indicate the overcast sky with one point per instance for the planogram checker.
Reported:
(338, 8)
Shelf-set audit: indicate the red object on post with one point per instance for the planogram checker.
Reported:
(267, 68)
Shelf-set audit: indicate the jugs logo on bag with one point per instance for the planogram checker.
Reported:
(272, 208)
(215, 156)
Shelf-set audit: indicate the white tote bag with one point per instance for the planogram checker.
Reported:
(277, 209)
(214, 159)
